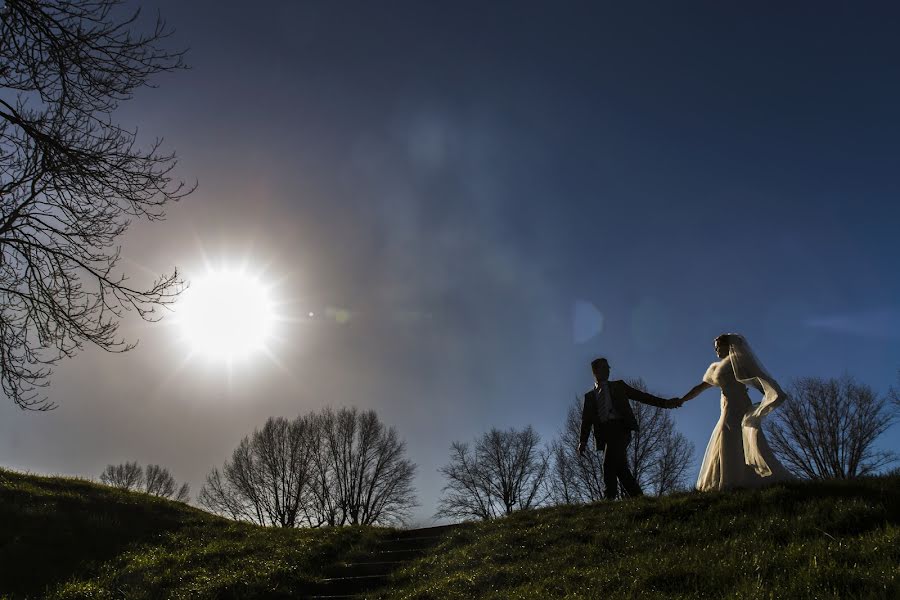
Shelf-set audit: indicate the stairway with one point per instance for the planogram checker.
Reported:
(370, 570)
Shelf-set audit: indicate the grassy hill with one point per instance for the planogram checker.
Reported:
(67, 538)
(822, 540)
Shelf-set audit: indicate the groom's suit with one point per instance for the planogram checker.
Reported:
(611, 418)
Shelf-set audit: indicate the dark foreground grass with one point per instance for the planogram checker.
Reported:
(823, 540)
(70, 539)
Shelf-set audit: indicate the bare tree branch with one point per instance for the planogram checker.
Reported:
(71, 181)
(331, 468)
(126, 476)
(658, 455)
(158, 481)
(828, 428)
(154, 480)
(507, 470)
(670, 469)
(574, 479)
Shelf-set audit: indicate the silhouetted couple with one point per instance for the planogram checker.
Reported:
(737, 455)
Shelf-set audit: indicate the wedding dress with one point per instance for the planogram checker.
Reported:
(738, 454)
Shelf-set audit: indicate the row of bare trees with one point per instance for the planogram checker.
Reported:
(328, 468)
(154, 480)
(345, 467)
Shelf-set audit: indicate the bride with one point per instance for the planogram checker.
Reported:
(738, 454)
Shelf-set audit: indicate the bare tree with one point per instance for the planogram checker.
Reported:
(267, 477)
(574, 479)
(658, 455)
(125, 476)
(154, 480)
(363, 475)
(158, 481)
(324, 506)
(827, 428)
(670, 468)
(332, 468)
(71, 181)
(504, 472)
(224, 497)
(184, 493)
(646, 443)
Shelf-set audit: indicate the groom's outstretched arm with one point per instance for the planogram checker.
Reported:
(646, 398)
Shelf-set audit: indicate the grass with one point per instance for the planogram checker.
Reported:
(71, 539)
(818, 540)
(67, 538)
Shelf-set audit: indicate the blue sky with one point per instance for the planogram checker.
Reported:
(497, 193)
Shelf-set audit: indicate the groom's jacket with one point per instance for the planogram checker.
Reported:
(619, 393)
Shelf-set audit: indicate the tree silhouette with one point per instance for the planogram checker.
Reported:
(154, 480)
(125, 476)
(827, 428)
(330, 468)
(158, 481)
(71, 181)
(267, 479)
(574, 479)
(505, 471)
(659, 455)
(362, 475)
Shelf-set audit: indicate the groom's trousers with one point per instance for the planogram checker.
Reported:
(615, 461)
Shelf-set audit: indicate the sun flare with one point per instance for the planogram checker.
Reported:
(226, 315)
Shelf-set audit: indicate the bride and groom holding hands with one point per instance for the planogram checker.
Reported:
(737, 454)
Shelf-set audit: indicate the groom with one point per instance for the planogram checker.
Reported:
(606, 409)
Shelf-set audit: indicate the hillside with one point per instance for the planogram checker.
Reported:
(822, 540)
(67, 538)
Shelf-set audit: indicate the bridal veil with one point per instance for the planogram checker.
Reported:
(749, 371)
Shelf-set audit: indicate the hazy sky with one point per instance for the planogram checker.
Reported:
(497, 193)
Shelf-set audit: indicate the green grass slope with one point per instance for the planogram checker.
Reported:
(66, 538)
(818, 540)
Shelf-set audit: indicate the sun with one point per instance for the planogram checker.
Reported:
(226, 315)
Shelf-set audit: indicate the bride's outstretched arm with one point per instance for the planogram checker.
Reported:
(696, 391)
